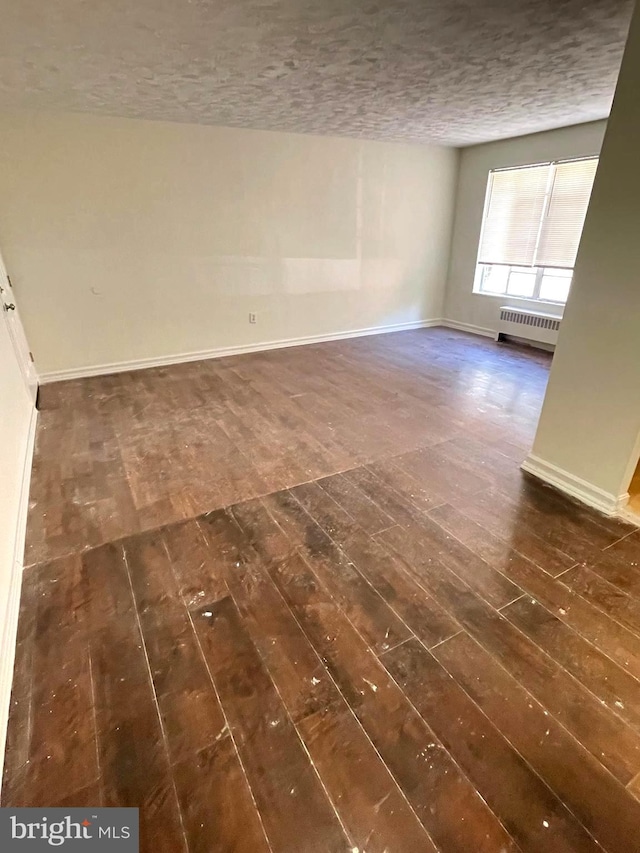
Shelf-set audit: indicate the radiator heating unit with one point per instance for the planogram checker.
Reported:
(528, 325)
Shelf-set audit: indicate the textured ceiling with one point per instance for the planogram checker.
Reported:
(448, 71)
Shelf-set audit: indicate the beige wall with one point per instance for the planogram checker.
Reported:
(133, 239)
(590, 421)
(462, 305)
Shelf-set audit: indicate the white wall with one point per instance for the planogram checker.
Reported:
(16, 412)
(589, 430)
(462, 305)
(133, 239)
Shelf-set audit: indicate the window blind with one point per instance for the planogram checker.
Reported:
(566, 211)
(513, 214)
(534, 215)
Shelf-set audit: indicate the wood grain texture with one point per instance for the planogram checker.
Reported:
(148, 448)
(526, 804)
(285, 785)
(306, 601)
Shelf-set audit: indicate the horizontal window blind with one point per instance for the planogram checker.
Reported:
(534, 215)
(513, 213)
(566, 211)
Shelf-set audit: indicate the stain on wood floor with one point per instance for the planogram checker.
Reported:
(306, 601)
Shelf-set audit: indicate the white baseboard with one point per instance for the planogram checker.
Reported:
(630, 516)
(10, 623)
(587, 493)
(469, 327)
(220, 352)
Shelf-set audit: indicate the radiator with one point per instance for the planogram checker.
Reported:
(531, 325)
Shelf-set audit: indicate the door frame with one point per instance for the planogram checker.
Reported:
(11, 316)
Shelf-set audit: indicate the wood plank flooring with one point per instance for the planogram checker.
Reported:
(120, 454)
(305, 600)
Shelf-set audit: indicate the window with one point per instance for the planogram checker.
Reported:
(531, 229)
(548, 284)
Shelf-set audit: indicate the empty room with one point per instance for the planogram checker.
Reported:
(320, 426)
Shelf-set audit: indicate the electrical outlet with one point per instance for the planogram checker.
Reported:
(253, 318)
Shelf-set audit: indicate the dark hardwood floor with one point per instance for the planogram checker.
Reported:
(305, 600)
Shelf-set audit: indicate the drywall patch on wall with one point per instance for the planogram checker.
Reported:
(130, 240)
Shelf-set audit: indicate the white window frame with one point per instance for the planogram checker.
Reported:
(481, 270)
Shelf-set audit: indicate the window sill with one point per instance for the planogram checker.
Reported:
(559, 306)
